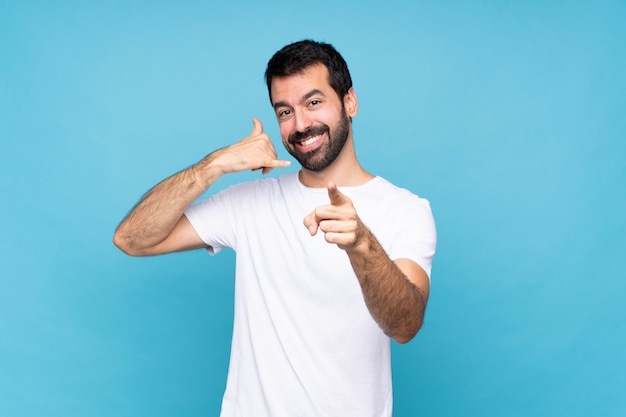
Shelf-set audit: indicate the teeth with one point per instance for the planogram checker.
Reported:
(309, 141)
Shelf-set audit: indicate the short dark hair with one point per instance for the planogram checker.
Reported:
(296, 57)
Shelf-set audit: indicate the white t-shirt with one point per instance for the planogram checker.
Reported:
(304, 343)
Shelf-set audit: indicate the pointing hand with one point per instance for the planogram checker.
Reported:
(338, 220)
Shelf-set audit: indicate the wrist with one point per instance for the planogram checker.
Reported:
(364, 242)
(208, 170)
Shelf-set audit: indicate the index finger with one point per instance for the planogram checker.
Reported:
(336, 197)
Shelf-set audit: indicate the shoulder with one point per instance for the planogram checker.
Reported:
(260, 185)
(397, 196)
(240, 199)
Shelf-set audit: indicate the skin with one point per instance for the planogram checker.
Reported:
(157, 225)
(395, 291)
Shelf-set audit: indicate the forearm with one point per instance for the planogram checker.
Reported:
(395, 303)
(156, 214)
(156, 224)
(395, 292)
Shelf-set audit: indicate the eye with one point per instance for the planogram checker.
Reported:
(284, 113)
(314, 103)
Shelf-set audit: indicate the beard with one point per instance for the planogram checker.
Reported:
(322, 157)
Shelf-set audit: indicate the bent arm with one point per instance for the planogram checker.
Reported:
(395, 293)
(157, 225)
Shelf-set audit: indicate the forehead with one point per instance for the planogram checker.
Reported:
(294, 87)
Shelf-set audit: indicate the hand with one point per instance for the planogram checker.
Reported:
(338, 220)
(251, 153)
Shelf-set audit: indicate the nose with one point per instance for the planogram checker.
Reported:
(303, 122)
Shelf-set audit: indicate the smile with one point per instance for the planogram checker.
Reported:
(309, 137)
(309, 141)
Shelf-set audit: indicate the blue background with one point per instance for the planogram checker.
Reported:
(510, 117)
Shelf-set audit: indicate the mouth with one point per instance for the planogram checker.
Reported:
(310, 139)
(309, 143)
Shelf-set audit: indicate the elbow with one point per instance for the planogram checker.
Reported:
(124, 244)
(407, 334)
(408, 328)
(120, 243)
(404, 338)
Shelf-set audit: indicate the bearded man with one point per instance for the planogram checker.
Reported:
(332, 261)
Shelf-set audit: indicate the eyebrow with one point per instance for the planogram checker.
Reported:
(307, 96)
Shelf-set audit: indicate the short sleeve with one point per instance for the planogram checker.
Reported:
(214, 220)
(415, 235)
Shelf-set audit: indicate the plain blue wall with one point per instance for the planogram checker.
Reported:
(510, 117)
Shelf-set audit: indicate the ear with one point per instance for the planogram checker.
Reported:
(351, 103)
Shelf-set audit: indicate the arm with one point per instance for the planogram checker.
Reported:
(395, 292)
(157, 225)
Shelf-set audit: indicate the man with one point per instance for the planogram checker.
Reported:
(331, 260)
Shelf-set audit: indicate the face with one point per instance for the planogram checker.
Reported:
(314, 122)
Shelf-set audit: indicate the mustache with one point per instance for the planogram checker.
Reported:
(312, 131)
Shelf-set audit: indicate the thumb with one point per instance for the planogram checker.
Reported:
(258, 127)
(310, 222)
(336, 197)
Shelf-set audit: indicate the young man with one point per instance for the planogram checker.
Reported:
(331, 261)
